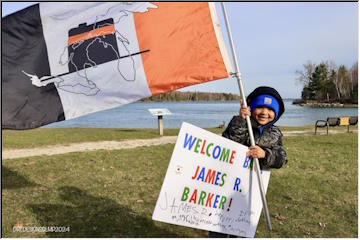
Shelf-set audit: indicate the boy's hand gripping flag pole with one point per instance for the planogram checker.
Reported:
(237, 74)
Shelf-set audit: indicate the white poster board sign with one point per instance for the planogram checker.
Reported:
(210, 185)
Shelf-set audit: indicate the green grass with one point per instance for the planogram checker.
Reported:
(99, 194)
(311, 128)
(113, 193)
(317, 188)
(50, 136)
(301, 128)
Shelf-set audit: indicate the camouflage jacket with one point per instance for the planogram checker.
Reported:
(270, 140)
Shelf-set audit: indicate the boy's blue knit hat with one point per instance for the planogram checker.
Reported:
(260, 97)
(265, 100)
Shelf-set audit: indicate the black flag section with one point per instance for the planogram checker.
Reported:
(78, 53)
(25, 106)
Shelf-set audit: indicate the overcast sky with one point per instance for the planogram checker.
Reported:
(273, 39)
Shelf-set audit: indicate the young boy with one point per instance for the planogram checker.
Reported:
(265, 108)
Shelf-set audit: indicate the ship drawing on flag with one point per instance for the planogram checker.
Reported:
(91, 45)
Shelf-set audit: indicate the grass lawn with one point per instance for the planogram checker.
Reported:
(50, 136)
(113, 193)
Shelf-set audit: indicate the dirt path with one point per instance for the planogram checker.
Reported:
(86, 146)
(112, 145)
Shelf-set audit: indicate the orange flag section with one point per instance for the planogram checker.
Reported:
(92, 34)
(183, 46)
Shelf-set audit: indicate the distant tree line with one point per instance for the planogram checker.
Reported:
(192, 96)
(325, 82)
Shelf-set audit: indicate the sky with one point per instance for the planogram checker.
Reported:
(274, 39)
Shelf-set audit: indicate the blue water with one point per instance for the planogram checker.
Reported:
(201, 114)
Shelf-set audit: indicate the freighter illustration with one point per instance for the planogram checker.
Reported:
(88, 47)
(85, 40)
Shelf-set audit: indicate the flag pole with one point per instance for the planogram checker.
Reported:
(237, 74)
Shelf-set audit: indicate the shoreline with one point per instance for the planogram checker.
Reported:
(324, 104)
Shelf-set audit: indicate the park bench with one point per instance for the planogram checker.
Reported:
(330, 122)
(336, 121)
(353, 120)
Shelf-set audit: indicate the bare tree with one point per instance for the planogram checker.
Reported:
(334, 80)
(343, 80)
(353, 76)
(304, 76)
(332, 68)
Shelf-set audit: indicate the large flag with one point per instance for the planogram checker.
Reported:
(64, 60)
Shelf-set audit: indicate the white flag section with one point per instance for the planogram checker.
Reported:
(210, 184)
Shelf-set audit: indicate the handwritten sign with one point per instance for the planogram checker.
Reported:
(210, 184)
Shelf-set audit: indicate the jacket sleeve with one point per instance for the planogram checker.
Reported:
(275, 155)
(237, 131)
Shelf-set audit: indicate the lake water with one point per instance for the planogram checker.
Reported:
(201, 114)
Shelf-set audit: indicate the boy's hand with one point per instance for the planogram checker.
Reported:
(255, 152)
(244, 111)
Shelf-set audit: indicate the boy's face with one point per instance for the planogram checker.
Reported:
(263, 115)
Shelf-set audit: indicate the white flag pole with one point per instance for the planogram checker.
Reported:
(251, 134)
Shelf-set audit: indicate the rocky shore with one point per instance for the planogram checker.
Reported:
(315, 104)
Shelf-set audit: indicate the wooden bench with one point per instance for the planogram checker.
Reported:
(336, 121)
